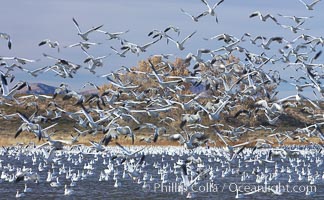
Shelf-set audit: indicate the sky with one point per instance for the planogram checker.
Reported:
(30, 21)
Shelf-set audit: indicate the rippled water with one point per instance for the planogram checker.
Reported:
(219, 187)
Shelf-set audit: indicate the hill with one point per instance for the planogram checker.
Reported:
(38, 88)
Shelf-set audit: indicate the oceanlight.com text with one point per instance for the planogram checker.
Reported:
(231, 187)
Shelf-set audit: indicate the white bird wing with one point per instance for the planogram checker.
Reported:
(221, 107)
(124, 149)
(313, 3)
(198, 136)
(206, 3)
(186, 13)
(76, 25)
(93, 29)
(23, 117)
(143, 47)
(74, 45)
(50, 126)
(177, 137)
(252, 192)
(221, 137)
(4, 85)
(86, 114)
(203, 173)
(48, 156)
(5, 36)
(303, 2)
(242, 144)
(51, 154)
(189, 36)
(262, 103)
(217, 37)
(218, 3)
(286, 98)
(154, 71)
(310, 101)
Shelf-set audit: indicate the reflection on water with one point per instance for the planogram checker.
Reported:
(249, 175)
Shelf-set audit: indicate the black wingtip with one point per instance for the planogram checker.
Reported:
(9, 45)
(182, 124)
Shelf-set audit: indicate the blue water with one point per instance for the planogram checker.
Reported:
(224, 187)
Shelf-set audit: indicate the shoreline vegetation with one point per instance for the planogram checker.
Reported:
(65, 129)
(8, 140)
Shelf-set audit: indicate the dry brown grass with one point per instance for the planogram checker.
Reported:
(26, 138)
(292, 119)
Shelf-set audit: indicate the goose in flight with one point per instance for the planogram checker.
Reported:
(92, 61)
(63, 67)
(153, 127)
(211, 10)
(122, 54)
(186, 183)
(174, 28)
(93, 124)
(83, 45)
(114, 35)
(225, 37)
(272, 121)
(57, 144)
(127, 131)
(49, 157)
(35, 72)
(215, 115)
(311, 5)
(296, 18)
(6, 37)
(164, 84)
(230, 47)
(190, 118)
(180, 44)
(228, 148)
(275, 107)
(160, 34)
(263, 17)
(299, 98)
(191, 141)
(29, 126)
(305, 37)
(51, 44)
(79, 97)
(9, 93)
(127, 153)
(99, 145)
(121, 86)
(84, 35)
(194, 18)
(266, 44)
(20, 60)
(134, 48)
(294, 29)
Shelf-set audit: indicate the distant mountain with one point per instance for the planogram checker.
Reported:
(38, 88)
(41, 88)
(87, 92)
